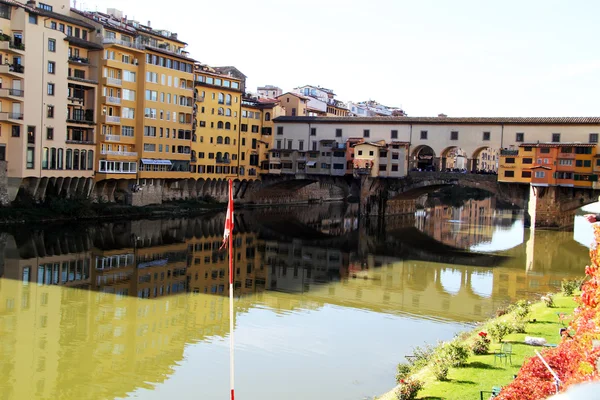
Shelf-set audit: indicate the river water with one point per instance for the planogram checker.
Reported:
(325, 305)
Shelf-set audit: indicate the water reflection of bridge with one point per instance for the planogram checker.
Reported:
(361, 265)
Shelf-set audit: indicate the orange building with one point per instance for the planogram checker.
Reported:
(563, 164)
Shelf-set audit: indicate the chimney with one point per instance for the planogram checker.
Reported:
(149, 26)
(442, 116)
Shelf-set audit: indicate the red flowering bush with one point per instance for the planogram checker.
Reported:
(408, 389)
(574, 359)
(481, 345)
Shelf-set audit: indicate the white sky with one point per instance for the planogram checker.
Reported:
(461, 57)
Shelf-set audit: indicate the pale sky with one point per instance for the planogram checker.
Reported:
(460, 57)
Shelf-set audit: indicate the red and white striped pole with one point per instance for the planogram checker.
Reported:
(228, 234)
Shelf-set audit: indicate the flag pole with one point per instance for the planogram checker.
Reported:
(231, 343)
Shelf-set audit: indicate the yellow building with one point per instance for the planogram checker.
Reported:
(513, 164)
(218, 99)
(294, 104)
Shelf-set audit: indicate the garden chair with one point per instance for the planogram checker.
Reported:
(505, 353)
(493, 393)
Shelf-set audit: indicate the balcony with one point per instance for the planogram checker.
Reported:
(9, 46)
(111, 119)
(79, 60)
(112, 138)
(72, 141)
(82, 79)
(362, 171)
(86, 117)
(112, 100)
(114, 81)
(12, 93)
(11, 117)
(223, 161)
(119, 153)
(506, 152)
(12, 69)
(124, 43)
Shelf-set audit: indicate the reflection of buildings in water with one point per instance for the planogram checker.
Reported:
(460, 227)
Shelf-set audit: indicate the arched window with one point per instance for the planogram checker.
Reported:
(219, 139)
(69, 159)
(267, 116)
(220, 125)
(45, 158)
(90, 160)
(221, 111)
(228, 112)
(219, 156)
(59, 163)
(83, 160)
(227, 140)
(193, 153)
(75, 159)
(53, 158)
(227, 125)
(228, 101)
(221, 98)
(226, 156)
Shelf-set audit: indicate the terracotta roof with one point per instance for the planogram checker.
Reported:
(297, 95)
(449, 120)
(267, 100)
(540, 166)
(83, 43)
(559, 144)
(59, 17)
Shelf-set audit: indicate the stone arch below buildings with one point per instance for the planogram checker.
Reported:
(454, 158)
(424, 158)
(484, 159)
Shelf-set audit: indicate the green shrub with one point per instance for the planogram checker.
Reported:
(409, 389)
(481, 345)
(498, 330)
(455, 353)
(404, 370)
(548, 300)
(569, 286)
(421, 356)
(520, 310)
(440, 369)
(517, 327)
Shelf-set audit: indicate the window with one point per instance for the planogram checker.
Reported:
(454, 135)
(51, 89)
(509, 174)
(69, 30)
(526, 174)
(394, 167)
(540, 174)
(150, 131)
(149, 147)
(545, 150)
(129, 76)
(313, 131)
(127, 131)
(61, 27)
(520, 137)
(279, 130)
(394, 134)
(366, 133)
(45, 7)
(338, 133)
(587, 163)
(50, 111)
(16, 131)
(566, 149)
(527, 148)
(267, 116)
(32, 20)
(486, 135)
(30, 161)
(52, 45)
(593, 138)
(556, 137)
(50, 133)
(510, 160)
(528, 161)
(371, 153)
(360, 152)
(423, 135)
(565, 162)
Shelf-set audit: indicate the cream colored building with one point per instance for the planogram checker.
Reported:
(441, 135)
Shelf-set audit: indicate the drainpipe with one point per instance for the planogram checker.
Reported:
(239, 141)
(408, 155)
(502, 136)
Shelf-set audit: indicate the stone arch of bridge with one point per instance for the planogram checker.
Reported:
(423, 158)
(484, 158)
(454, 157)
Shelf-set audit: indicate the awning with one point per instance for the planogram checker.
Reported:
(150, 161)
(311, 163)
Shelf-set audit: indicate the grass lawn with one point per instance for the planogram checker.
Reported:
(481, 373)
